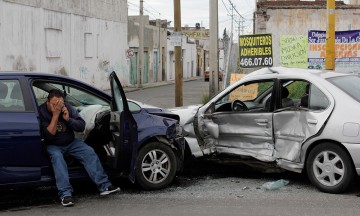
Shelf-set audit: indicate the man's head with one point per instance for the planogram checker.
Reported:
(55, 98)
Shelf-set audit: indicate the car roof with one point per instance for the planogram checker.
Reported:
(28, 73)
(298, 71)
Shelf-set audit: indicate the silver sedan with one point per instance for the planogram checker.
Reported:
(300, 120)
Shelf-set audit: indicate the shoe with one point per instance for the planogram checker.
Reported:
(67, 201)
(109, 190)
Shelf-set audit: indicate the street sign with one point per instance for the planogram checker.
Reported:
(175, 39)
(130, 53)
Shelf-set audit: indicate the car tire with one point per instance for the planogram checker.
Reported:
(329, 168)
(156, 166)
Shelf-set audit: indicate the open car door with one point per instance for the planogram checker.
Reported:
(123, 129)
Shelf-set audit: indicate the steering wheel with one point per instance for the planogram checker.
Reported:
(238, 105)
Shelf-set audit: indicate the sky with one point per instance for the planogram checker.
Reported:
(197, 11)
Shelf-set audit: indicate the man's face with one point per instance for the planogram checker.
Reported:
(54, 102)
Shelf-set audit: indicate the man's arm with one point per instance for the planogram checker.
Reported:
(74, 121)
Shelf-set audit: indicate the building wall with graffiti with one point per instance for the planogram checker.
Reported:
(85, 39)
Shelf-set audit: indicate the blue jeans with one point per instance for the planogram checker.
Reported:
(86, 155)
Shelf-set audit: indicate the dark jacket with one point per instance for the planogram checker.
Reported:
(65, 130)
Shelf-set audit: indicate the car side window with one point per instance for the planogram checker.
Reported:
(73, 95)
(11, 96)
(251, 96)
(317, 99)
(294, 93)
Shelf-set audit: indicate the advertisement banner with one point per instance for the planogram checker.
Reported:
(347, 50)
(255, 51)
(243, 93)
(197, 34)
(294, 51)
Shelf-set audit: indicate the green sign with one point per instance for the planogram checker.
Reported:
(294, 51)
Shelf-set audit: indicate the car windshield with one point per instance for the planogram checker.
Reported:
(349, 84)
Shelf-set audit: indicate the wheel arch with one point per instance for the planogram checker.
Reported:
(162, 139)
(318, 142)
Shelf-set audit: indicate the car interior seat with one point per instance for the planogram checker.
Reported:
(304, 102)
(285, 101)
(16, 96)
(3, 93)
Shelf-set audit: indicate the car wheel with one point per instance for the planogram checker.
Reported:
(329, 168)
(156, 166)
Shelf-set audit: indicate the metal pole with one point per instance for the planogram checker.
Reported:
(330, 36)
(141, 46)
(178, 56)
(214, 60)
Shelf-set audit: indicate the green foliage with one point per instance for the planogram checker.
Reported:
(297, 89)
(205, 98)
(263, 86)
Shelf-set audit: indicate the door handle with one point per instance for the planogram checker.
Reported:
(312, 121)
(262, 122)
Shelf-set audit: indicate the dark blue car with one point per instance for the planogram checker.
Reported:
(131, 139)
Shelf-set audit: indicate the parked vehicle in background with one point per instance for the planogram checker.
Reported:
(300, 120)
(130, 138)
(207, 74)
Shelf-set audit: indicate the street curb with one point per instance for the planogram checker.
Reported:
(158, 84)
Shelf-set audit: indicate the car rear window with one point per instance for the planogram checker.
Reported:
(349, 84)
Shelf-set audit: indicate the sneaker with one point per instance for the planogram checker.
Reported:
(67, 201)
(109, 190)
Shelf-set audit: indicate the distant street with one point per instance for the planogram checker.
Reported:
(205, 188)
(164, 96)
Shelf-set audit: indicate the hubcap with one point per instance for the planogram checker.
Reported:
(156, 166)
(328, 168)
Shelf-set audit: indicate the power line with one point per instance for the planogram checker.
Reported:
(232, 5)
(225, 6)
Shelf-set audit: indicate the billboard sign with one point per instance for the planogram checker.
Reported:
(255, 51)
(347, 50)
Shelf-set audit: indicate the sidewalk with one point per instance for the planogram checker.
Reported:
(162, 83)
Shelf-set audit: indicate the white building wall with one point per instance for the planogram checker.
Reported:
(189, 52)
(61, 40)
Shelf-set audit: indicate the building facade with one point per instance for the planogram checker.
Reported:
(155, 46)
(189, 58)
(84, 39)
(298, 17)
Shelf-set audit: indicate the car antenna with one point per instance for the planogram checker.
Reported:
(272, 70)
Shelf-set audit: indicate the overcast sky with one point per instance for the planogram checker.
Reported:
(197, 11)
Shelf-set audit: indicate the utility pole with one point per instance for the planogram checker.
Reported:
(214, 55)
(141, 46)
(226, 79)
(178, 56)
(330, 36)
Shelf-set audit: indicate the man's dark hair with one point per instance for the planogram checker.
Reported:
(55, 93)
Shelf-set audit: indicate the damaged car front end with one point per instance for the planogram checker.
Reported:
(294, 119)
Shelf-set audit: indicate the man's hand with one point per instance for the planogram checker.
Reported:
(65, 113)
(57, 107)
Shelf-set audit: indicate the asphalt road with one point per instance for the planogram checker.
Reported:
(164, 96)
(205, 188)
